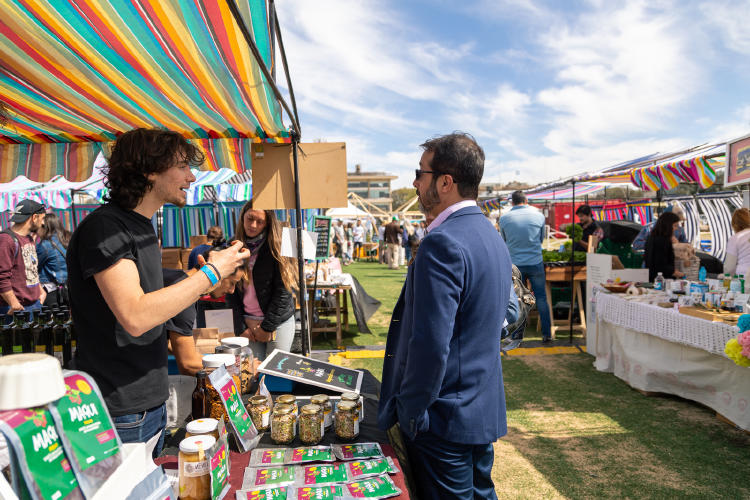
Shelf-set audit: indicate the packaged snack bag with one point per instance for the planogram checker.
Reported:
(376, 487)
(278, 493)
(239, 420)
(358, 451)
(86, 431)
(315, 493)
(297, 456)
(359, 469)
(320, 475)
(267, 456)
(259, 477)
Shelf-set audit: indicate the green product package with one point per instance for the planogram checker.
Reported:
(219, 469)
(359, 469)
(86, 431)
(41, 469)
(260, 477)
(319, 475)
(278, 493)
(297, 456)
(376, 487)
(239, 420)
(358, 451)
(315, 493)
(267, 456)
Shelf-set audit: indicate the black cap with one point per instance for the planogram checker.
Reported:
(26, 209)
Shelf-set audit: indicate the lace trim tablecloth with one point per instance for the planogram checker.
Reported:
(667, 324)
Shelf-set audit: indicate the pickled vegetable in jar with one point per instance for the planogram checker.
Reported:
(260, 412)
(283, 424)
(194, 468)
(346, 421)
(289, 399)
(202, 427)
(311, 424)
(324, 402)
(355, 398)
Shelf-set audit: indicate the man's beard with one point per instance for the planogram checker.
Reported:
(429, 200)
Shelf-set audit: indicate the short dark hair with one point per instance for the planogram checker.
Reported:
(459, 156)
(518, 198)
(139, 153)
(583, 210)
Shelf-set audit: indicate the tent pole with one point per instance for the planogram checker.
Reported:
(300, 260)
(572, 267)
(73, 210)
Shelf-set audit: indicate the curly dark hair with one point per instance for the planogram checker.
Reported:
(139, 153)
(459, 156)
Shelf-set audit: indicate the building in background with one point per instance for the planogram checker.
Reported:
(374, 187)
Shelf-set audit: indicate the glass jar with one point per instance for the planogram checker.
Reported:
(260, 412)
(245, 360)
(210, 363)
(355, 398)
(289, 399)
(203, 427)
(283, 424)
(194, 469)
(311, 424)
(324, 402)
(346, 421)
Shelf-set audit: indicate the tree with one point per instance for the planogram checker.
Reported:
(401, 196)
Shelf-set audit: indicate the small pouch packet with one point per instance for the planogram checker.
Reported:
(260, 477)
(239, 420)
(320, 475)
(374, 487)
(303, 455)
(357, 451)
(260, 457)
(359, 469)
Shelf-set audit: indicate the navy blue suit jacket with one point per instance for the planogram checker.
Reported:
(442, 370)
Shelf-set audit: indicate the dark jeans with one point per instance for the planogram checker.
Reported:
(450, 470)
(535, 275)
(7, 319)
(142, 426)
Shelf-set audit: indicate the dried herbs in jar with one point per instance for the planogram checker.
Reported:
(346, 421)
(311, 424)
(283, 423)
(260, 412)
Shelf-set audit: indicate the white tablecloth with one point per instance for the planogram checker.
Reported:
(658, 350)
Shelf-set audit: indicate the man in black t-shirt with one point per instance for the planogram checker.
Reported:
(590, 228)
(118, 300)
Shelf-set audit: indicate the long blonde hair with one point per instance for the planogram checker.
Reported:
(287, 266)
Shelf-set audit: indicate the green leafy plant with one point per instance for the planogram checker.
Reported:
(574, 231)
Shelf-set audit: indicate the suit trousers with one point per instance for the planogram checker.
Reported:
(443, 469)
(392, 254)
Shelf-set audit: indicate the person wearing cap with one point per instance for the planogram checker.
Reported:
(20, 289)
(118, 299)
(392, 243)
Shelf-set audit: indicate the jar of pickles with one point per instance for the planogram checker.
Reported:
(324, 402)
(289, 399)
(210, 363)
(311, 424)
(355, 398)
(194, 469)
(202, 426)
(346, 421)
(260, 412)
(283, 424)
(245, 359)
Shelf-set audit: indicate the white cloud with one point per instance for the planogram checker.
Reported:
(730, 21)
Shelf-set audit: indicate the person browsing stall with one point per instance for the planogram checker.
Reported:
(118, 301)
(737, 260)
(51, 250)
(263, 298)
(590, 228)
(659, 254)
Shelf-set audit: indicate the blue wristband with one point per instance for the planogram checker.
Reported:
(209, 272)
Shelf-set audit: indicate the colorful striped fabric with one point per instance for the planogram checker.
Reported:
(698, 169)
(640, 212)
(565, 192)
(86, 71)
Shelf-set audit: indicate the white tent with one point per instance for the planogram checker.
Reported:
(350, 212)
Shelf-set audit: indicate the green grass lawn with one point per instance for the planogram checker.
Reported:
(574, 432)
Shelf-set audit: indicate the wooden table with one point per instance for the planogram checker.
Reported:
(341, 310)
(563, 274)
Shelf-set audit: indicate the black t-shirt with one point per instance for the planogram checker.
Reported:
(587, 231)
(181, 324)
(131, 371)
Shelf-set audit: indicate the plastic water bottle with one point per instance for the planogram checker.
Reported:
(735, 285)
(702, 275)
(659, 282)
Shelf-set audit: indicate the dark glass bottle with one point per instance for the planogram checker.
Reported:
(47, 338)
(61, 336)
(6, 339)
(200, 396)
(72, 330)
(35, 328)
(22, 339)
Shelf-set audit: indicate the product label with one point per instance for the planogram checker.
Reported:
(235, 409)
(319, 493)
(279, 493)
(366, 468)
(272, 476)
(377, 487)
(316, 454)
(45, 457)
(324, 474)
(40, 348)
(359, 451)
(195, 469)
(219, 472)
(85, 423)
(273, 456)
(265, 418)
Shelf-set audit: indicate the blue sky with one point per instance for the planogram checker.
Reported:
(548, 89)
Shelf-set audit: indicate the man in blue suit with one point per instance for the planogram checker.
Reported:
(442, 377)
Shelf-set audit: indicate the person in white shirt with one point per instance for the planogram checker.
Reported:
(737, 260)
(358, 235)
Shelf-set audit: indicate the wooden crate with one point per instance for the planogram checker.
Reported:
(717, 316)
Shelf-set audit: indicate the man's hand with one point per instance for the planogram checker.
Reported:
(15, 307)
(10, 298)
(229, 259)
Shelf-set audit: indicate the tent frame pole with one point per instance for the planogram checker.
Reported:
(306, 341)
(572, 263)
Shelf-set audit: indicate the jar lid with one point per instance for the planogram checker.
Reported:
(30, 379)
(283, 409)
(319, 399)
(217, 360)
(202, 426)
(258, 400)
(311, 409)
(350, 396)
(236, 341)
(194, 443)
(286, 399)
(347, 406)
(228, 349)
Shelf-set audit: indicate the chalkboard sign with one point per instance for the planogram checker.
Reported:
(311, 371)
(322, 227)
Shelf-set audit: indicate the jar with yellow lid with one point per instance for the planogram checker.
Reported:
(355, 398)
(210, 363)
(194, 468)
(260, 412)
(311, 424)
(283, 424)
(346, 421)
(324, 402)
(202, 427)
(289, 399)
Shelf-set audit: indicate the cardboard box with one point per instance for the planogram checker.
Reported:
(198, 239)
(170, 258)
(206, 339)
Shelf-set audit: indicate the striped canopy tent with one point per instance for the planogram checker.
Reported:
(565, 192)
(75, 75)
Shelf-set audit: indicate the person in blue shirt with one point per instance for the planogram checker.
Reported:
(523, 230)
(215, 237)
(51, 250)
(639, 243)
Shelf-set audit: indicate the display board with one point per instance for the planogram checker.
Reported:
(322, 227)
(311, 371)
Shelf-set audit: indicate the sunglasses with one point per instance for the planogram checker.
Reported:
(418, 173)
